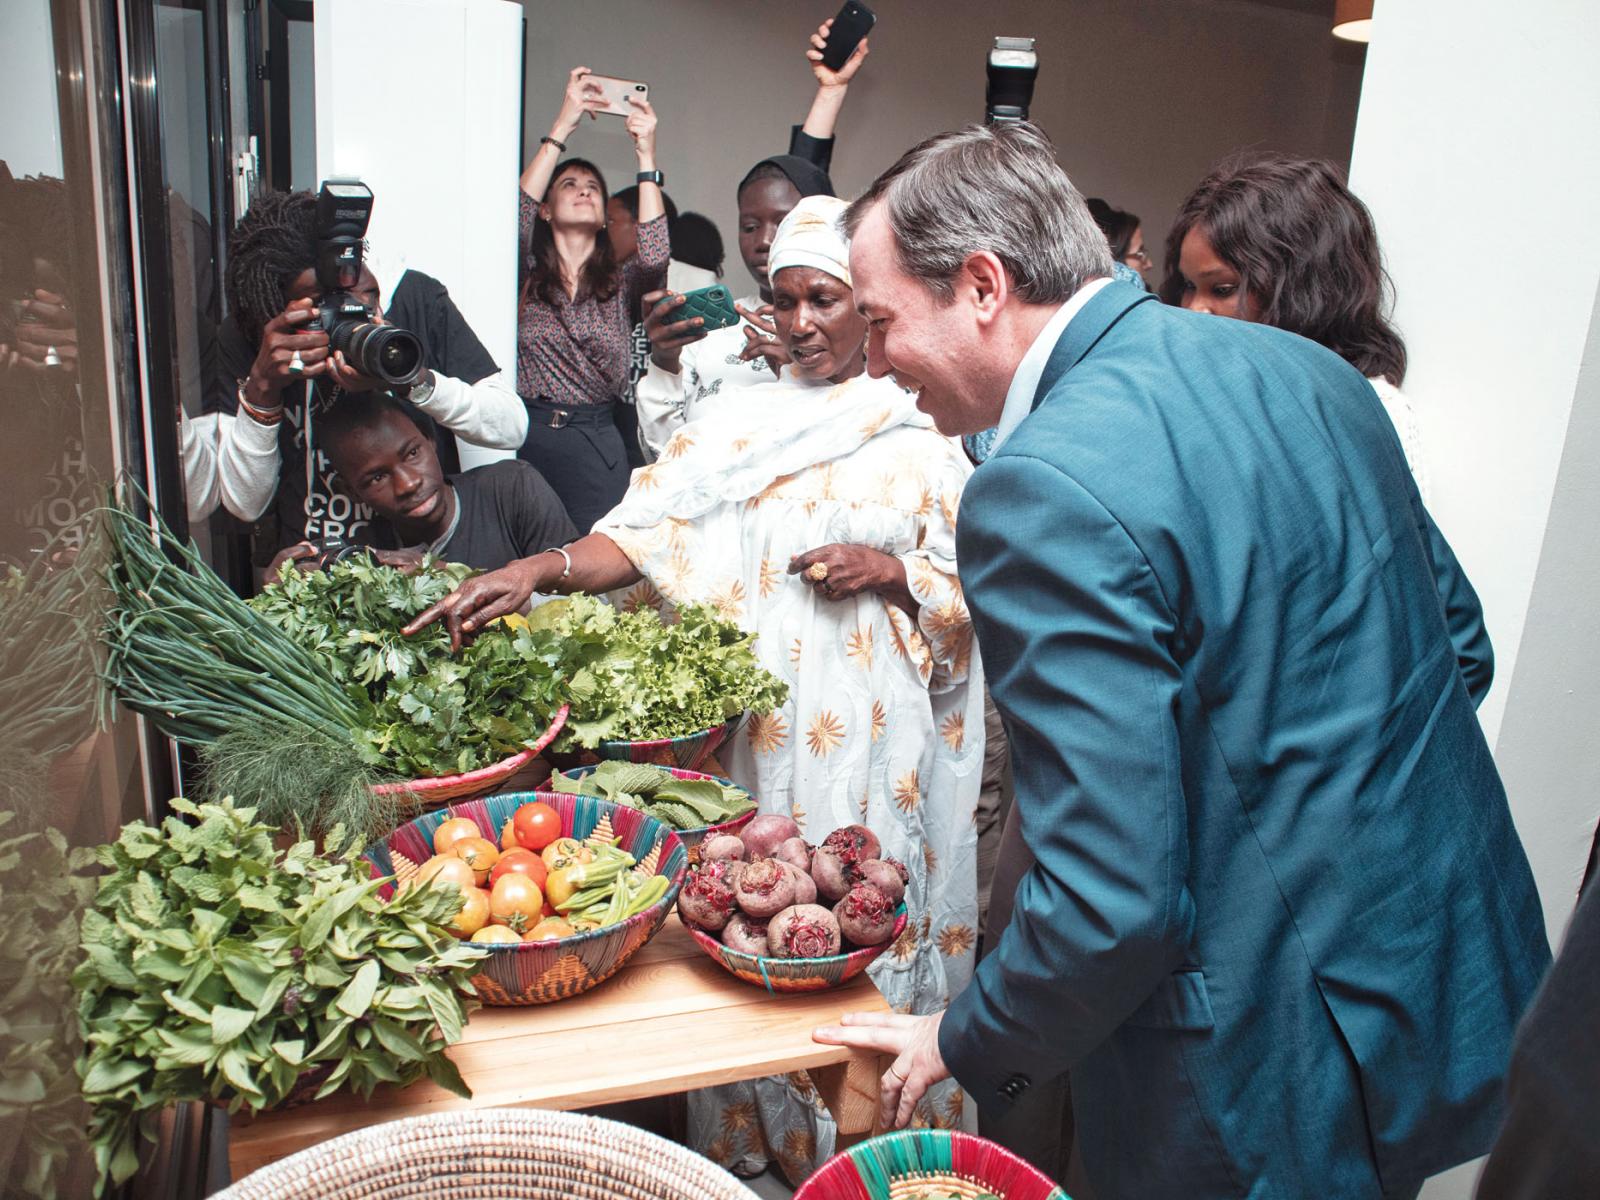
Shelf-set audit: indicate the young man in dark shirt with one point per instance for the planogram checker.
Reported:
(485, 517)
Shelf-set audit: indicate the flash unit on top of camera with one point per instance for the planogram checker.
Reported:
(1013, 66)
(386, 352)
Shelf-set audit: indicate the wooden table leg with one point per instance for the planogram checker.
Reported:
(851, 1091)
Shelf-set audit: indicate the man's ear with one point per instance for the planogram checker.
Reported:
(988, 284)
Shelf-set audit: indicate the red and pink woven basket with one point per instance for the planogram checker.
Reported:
(928, 1162)
(686, 752)
(443, 789)
(691, 838)
(795, 974)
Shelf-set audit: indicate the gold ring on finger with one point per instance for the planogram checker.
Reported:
(817, 571)
(897, 1075)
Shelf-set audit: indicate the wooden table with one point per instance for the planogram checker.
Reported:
(670, 1021)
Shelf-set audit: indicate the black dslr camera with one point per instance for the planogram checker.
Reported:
(1013, 66)
(386, 352)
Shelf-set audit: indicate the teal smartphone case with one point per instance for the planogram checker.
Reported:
(713, 304)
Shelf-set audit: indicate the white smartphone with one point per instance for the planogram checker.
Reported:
(616, 92)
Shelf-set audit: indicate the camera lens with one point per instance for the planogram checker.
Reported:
(385, 352)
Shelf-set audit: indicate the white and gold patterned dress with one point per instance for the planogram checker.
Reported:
(884, 721)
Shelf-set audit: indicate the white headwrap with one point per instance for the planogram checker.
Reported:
(812, 235)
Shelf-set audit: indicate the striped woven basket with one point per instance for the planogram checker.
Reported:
(539, 972)
(687, 752)
(443, 789)
(933, 1163)
(691, 838)
(796, 974)
(521, 1152)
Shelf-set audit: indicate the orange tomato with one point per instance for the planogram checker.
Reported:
(536, 825)
(563, 852)
(508, 835)
(452, 831)
(519, 862)
(495, 933)
(474, 914)
(516, 902)
(479, 854)
(447, 868)
(548, 930)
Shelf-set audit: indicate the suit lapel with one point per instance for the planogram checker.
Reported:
(1108, 306)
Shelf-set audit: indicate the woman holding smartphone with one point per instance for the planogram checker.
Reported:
(574, 317)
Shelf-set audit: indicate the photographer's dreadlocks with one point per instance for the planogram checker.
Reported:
(274, 242)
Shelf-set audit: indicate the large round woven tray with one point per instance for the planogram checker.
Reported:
(443, 789)
(521, 1152)
(914, 1163)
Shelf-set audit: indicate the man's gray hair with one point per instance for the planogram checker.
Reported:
(989, 187)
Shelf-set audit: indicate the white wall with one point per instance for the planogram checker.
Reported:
(1142, 96)
(1476, 150)
(429, 121)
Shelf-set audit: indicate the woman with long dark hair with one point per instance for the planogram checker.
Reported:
(1284, 242)
(575, 314)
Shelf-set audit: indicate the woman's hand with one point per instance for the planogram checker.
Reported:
(842, 77)
(838, 571)
(914, 1041)
(582, 97)
(641, 126)
(761, 337)
(482, 598)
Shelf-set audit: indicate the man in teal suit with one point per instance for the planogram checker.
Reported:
(1280, 927)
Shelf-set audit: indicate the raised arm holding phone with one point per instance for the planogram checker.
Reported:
(688, 363)
(575, 312)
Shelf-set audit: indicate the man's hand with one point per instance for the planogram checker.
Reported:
(667, 336)
(914, 1041)
(285, 336)
(761, 337)
(481, 599)
(47, 337)
(298, 553)
(842, 77)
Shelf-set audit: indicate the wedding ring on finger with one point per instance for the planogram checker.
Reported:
(897, 1075)
(295, 364)
(817, 571)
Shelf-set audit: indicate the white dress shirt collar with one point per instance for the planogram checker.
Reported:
(1019, 397)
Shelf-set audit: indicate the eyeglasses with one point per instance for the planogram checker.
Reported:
(1141, 256)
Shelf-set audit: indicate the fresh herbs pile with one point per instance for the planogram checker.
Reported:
(215, 968)
(639, 678)
(432, 713)
(680, 803)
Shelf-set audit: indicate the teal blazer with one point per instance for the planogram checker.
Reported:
(1281, 928)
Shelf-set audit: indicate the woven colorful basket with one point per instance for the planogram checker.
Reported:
(916, 1163)
(443, 789)
(691, 838)
(796, 974)
(493, 1152)
(539, 972)
(687, 752)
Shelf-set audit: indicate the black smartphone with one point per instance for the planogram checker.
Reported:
(854, 22)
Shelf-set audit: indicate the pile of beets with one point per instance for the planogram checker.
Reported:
(770, 893)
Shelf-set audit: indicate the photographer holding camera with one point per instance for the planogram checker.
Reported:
(305, 311)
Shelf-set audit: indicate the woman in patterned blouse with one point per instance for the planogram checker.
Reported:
(575, 313)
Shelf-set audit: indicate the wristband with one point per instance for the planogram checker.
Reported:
(261, 416)
(565, 557)
(655, 177)
(550, 141)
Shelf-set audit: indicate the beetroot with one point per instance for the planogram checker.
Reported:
(706, 901)
(832, 875)
(764, 887)
(766, 833)
(855, 843)
(865, 915)
(803, 931)
(882, 873)
(805, 888)
(723, 846)
(746, 934)
(795, 850)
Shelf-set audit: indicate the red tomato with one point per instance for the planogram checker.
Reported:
(520, 862)
(536, 825)
(516, 902)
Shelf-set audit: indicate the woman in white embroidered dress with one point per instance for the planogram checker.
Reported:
(818, 510)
